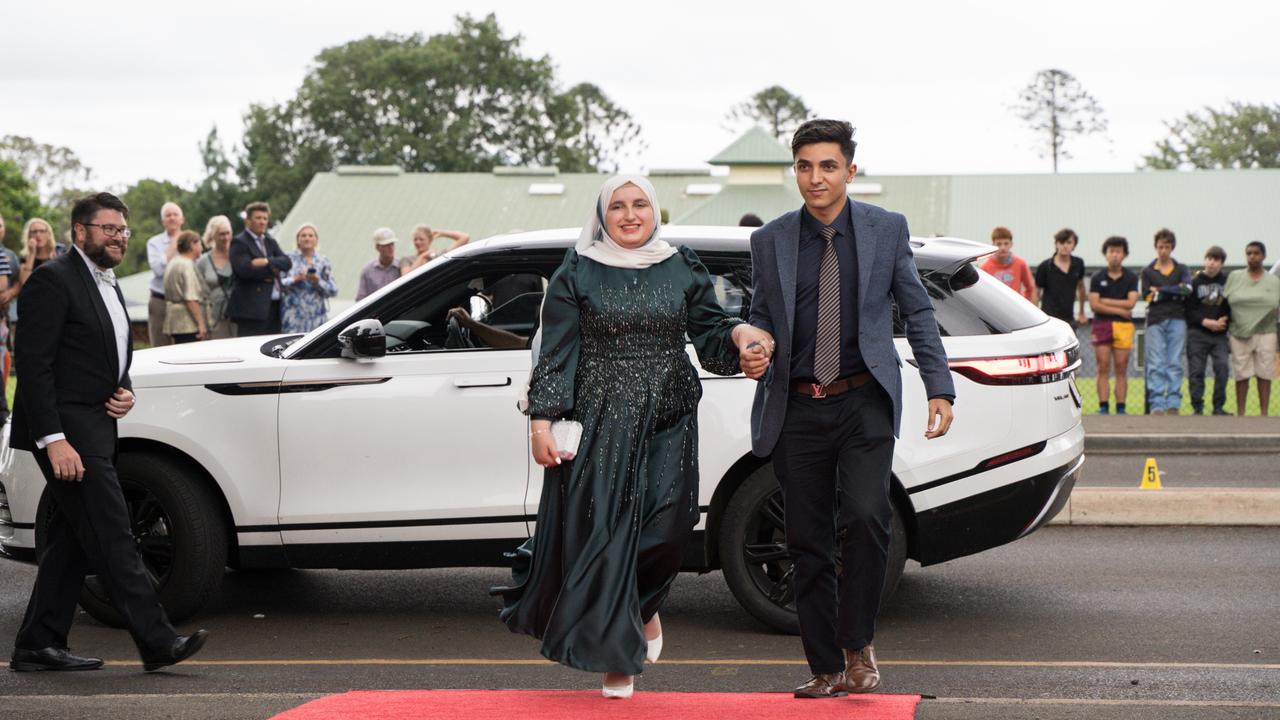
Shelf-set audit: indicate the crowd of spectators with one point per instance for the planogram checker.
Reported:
(1192, 320)
(221, 284)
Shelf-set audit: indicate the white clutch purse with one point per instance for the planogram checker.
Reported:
(567, 434)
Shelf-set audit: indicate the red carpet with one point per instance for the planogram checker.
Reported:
(581, 704)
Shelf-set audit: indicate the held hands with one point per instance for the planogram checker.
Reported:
(118, 406)
(65, 461)
(939, 418)
(543, 444)
(755, 350)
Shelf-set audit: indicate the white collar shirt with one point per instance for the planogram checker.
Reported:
(157, 246)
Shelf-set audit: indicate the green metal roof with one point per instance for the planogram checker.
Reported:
(1206, 207)
(755, 147)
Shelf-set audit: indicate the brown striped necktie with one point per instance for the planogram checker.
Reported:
(826, 353)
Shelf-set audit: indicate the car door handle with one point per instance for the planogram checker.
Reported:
(470, 381)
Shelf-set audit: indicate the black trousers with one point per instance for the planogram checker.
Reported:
(837, 452)
(246, 327)
(1203, 346)
(90, 532)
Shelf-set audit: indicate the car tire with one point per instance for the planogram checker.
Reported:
(753, 553)
(180, 532)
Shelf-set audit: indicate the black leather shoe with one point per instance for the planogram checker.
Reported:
(184, 647)
(51, 658)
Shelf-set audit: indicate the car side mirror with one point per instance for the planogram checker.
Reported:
(363, 339)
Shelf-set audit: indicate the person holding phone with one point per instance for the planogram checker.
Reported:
(308, 285)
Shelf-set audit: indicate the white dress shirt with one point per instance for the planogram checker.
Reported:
(119, 322)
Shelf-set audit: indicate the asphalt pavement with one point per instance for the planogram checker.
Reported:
(1070, 622)
(1213, 471)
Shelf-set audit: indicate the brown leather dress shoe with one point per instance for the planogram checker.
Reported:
(824, 685)
(861, 672)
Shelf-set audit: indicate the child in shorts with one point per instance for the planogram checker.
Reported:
(1113, 291)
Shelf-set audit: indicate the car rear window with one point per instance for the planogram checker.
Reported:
(967, 301)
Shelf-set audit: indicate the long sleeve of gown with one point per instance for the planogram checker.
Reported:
(710, 327)
(551, 385)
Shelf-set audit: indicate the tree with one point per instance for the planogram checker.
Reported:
(282, 152)
(775, 108)
(1240, 136)
(218, 193)
(145, 198)
(18, 202)
(463, 101)
(52, 169)
(595, 133)
(1058, 108)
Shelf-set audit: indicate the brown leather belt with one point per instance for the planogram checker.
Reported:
(835, 387)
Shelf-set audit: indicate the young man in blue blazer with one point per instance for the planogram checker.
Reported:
(828, 406)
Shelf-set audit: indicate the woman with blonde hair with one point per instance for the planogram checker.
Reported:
(308, 285)
(423, 237)
(214, 268)
(38, 247)
(616, 515)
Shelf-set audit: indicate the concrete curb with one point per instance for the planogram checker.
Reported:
(1180, 443)
(1171, 506)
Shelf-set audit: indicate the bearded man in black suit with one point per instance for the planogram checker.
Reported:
(73, 386)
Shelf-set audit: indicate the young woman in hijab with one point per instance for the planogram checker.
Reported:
(614, 521)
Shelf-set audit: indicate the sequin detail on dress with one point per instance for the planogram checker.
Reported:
(613, 523)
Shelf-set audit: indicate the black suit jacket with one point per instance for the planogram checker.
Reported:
(251, 291)
(67, 362)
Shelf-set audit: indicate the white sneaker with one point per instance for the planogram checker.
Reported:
(653, 649)
(619, 692)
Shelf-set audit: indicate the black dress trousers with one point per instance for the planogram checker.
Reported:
(837, 452)
(90, 533)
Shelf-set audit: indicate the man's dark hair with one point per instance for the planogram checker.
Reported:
(1116, 241)
(1166, 235)
(1258, 244)
(1066, 234)
(750, 220)
(256, 206)
(824, 131)
(1216, 253)
(86, 207)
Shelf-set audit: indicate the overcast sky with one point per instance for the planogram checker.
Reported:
(928, 84)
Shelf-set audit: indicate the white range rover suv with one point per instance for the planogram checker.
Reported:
(397, 444)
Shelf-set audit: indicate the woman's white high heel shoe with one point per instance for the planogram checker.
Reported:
(619, 692)
(653, 649)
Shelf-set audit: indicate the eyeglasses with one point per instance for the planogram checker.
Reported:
(112, 231)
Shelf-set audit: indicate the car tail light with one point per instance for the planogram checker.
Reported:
(1020, 370)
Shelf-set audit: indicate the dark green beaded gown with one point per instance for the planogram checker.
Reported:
(613, 523)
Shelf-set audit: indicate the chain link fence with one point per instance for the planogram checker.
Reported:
(1135, 402)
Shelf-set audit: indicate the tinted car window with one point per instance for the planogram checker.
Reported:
(967, 301)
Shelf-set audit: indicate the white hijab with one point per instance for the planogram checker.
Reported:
(595, 243)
